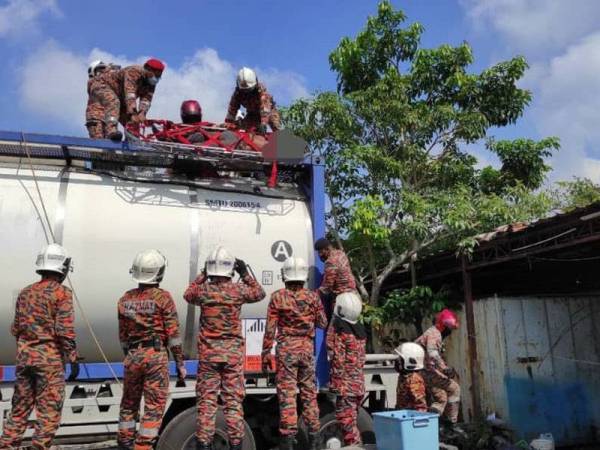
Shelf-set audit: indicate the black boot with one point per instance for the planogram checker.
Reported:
(115, 136)
(235, 446)
(203, 446)
(287, 442)
(314, 441)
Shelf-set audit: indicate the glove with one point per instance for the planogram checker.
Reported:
(267, 362)
(240, 267)
(137, 119)
(450, 372)
(74, 371)
(262, 129)
(181, 374)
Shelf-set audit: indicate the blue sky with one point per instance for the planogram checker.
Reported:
(46, 45)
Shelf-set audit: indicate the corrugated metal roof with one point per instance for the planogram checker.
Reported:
(554, 215)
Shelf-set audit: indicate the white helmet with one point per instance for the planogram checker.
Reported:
(246, 79)
(294, 269)
(348, 307)
(148, 267)
(53, 258)
(220, 263)
(95, 65)
(412, 355)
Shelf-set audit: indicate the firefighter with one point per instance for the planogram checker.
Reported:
(148, 325)
(94, 114)
(346, 341)
(439, 377)
(410, 393)
(114, 94)
(221, 344)
(338, 277)
(259, 104)
(293, 314)
(43, 327)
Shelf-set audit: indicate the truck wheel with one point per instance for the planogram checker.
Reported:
(332, 435)
(179, 433)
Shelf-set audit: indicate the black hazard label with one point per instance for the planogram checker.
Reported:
(281, 250)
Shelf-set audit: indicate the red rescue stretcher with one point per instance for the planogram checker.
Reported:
(205, 139)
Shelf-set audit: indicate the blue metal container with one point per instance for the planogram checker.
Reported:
(406, 430)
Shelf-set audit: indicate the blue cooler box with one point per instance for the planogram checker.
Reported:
(406, 430)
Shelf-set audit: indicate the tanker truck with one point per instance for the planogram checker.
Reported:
(105, 202)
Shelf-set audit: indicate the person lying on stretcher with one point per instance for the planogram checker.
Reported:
(191, 114)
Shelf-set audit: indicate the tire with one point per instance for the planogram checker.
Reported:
(330, 429)
(179, 433)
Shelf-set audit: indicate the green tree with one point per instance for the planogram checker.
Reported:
(395, 139)
(576, 193)
(410, 306)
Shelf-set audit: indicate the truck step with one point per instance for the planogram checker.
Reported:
(106, 445)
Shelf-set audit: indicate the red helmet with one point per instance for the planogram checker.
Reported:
(446, 319)
(191, 111)
(154, 64)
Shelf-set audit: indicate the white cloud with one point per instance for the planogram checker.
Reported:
(561, 39)
(20, 17)
(536, 25)
(567, 102)
(53, 84)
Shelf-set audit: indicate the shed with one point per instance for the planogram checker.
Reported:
(530, 350)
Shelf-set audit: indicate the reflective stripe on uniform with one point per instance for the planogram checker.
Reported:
(131, 96)
(149, 429)
(126, 424)
(454, 399)
(174, 341)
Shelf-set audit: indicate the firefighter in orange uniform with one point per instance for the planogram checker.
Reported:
(346, 342)
(294, 312)
(411, 393)
(43, 326)
(221, 344)
(148, 325)
(439, 376)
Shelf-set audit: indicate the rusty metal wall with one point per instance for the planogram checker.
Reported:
(539, 364)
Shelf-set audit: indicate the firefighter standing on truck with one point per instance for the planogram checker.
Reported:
(94, 116)
(221, 344)
(337, 277)
(124, 95)
(148, 325)
(260, 106)
(439, 377)
(43, 327)
(346, 342)
(293, 313)
(411, 392)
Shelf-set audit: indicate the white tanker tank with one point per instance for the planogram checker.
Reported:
(104, 220)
